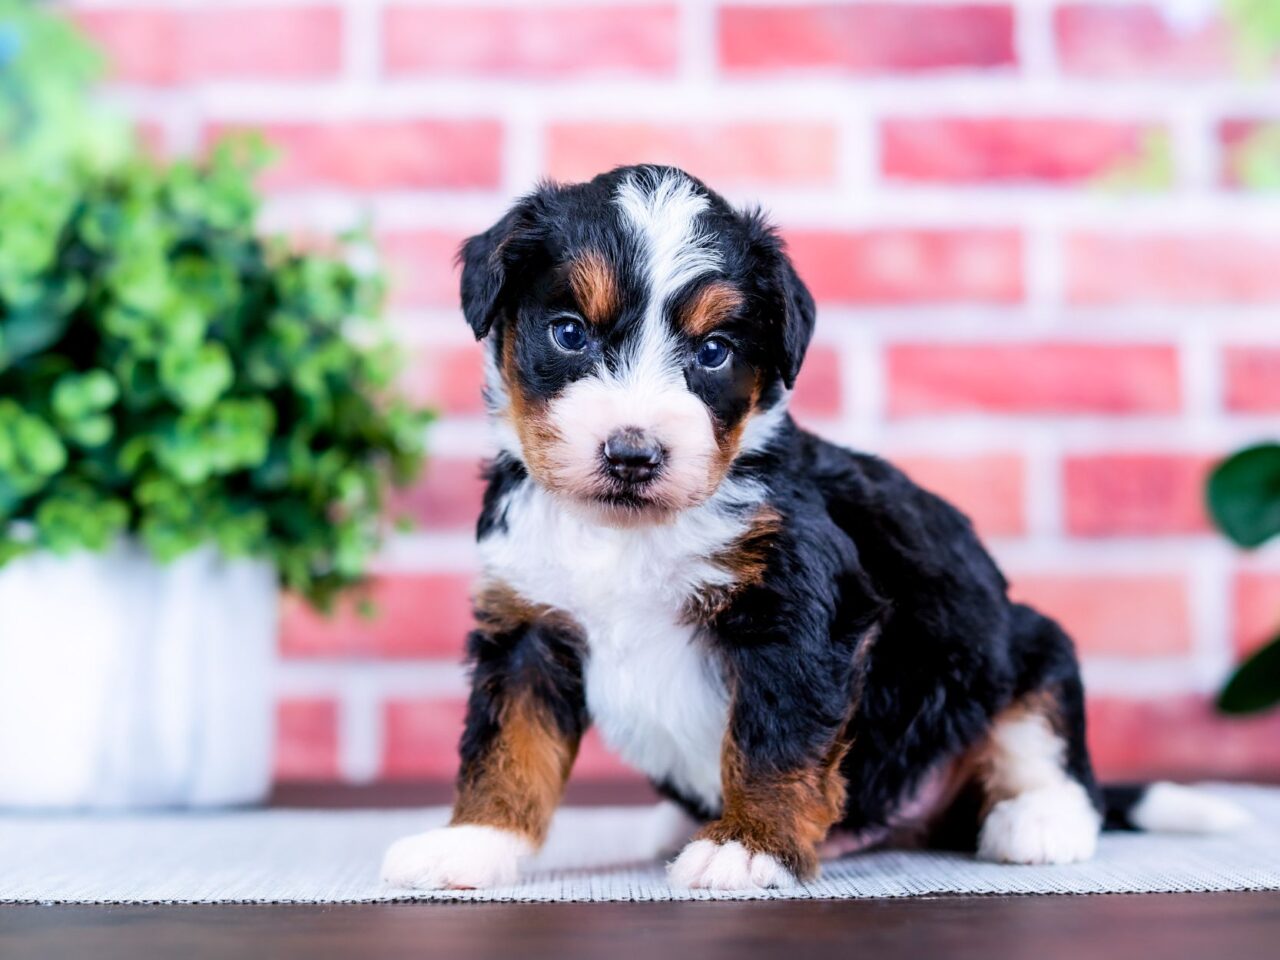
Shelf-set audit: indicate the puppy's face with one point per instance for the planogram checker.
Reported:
(642, 335)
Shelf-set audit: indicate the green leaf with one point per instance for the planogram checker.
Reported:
(78, 395)
(91, 431)
(196, 379)
(1244, 495)
(29, 332)
(1256, 683)
(39, 446)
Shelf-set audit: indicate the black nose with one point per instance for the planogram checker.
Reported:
(631, 455)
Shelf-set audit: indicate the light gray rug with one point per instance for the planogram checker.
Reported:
(287, 856)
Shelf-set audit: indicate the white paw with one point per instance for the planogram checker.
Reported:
(1050, 825)
(727, 866)
(456, 858)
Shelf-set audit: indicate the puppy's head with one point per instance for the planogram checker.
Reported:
(642, 335)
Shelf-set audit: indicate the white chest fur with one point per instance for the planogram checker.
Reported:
(655, 693)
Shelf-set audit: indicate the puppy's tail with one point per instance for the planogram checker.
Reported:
(1170, 808)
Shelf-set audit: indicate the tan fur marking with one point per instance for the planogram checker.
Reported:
(521, 778)
(713, 305)
(785, 815)
(518, 783)
(594, 287)
(537, 436)
(729, 440)
(745, 559)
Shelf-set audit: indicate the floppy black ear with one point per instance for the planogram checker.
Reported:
(491, 262)
(799, 316)
(786, 301)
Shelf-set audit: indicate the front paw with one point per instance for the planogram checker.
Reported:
(1051, 825)
(466, 857)
(708, 865)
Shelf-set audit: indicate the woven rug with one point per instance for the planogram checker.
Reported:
(296, 856)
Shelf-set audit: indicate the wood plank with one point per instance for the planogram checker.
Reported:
(1240, 926)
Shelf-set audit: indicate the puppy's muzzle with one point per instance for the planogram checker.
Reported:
(631, 456)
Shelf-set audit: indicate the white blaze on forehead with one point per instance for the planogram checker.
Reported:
(663, 214)
(662, 211)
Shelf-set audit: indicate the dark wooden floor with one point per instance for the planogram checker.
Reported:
(1219, 926)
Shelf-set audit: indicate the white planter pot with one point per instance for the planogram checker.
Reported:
(125, 683)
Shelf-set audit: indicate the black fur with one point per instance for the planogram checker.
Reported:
(863, 546)
(502, 475)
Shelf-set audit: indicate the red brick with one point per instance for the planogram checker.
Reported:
(1114, 615)
(1008, 149)
(447, 498)
(1252, 379)
(1203, 268)
(1257, 610)
(818, 390)
(159, 47)
(420, 739)
(1138, 40)
(1033, 378)
(448, 378)
(866, 38)
(306, 739)
(1137, 494)
(553, 41)
(990, 488)
(1182, 738)
(383, 154)
(890, 267)
(422, 265)
(418, 615)
(792, 153)
(421, 742)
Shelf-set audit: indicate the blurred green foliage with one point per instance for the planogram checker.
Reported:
(1244, 501)
(1255, 25)
(1151, 169)
(166, 372)
(46, 69)
(1255, 160)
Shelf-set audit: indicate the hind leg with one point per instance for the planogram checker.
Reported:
(1038, 797)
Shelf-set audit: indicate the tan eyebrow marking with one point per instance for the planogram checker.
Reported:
(594, 287)
(712, 305)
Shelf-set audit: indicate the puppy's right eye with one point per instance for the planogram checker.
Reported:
(569, 334)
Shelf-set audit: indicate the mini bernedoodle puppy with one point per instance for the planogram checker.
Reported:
(792, 641)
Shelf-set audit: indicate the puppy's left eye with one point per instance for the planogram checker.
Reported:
(712, 353)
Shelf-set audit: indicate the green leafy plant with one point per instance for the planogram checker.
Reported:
(166, 372)
(1244, 501)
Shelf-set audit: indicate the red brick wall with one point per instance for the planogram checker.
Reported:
(1060, 355)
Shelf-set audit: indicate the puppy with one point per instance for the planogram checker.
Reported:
(792, 641)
